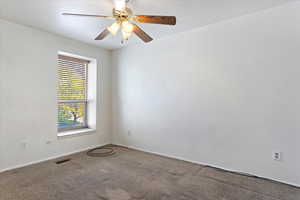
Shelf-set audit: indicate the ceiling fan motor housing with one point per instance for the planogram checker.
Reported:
(123, 15)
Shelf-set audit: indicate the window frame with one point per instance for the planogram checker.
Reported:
(86, 101)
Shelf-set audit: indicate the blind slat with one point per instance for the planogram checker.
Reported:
(71, 59)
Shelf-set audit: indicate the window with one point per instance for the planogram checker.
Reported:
(72, 93)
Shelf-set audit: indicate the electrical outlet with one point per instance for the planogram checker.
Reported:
(129, 133)
(24, 144)
(277, 155)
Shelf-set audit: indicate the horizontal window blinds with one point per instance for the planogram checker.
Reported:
(72, 80)
(72, 92)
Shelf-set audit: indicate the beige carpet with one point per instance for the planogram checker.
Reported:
(135, 175)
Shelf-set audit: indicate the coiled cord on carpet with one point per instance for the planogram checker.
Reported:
(104, 151)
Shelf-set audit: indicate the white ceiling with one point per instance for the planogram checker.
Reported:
(46, 15)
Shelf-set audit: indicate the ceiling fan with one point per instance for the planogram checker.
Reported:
(123, 17)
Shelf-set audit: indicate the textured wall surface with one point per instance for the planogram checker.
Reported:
(28, 95)
(226, 95)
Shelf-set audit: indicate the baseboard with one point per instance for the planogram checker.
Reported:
(209, 165)
(51, 158)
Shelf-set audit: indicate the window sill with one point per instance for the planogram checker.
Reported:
(73, 133)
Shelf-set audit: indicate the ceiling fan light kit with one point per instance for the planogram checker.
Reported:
(124, 17)
(114, 28)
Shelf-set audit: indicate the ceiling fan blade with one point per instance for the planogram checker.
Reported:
(102, 35)
(165, 20)
(84, 15)
(141, 34)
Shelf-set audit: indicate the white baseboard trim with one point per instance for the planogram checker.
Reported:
(206, 164)
(51, 158)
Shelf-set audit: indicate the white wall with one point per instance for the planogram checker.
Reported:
(225, 95)
(28, 76)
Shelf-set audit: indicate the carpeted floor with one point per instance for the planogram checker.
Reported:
(135, 175)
